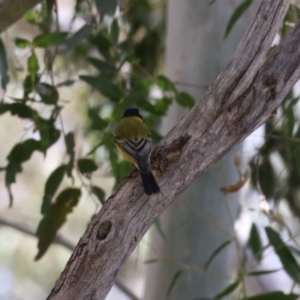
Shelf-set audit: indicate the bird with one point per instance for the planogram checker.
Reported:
(133, 140)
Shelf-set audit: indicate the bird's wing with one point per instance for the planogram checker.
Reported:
(138, 149)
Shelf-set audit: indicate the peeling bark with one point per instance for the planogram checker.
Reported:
(244, 96)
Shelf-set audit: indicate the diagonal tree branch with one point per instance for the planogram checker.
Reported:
(12, 10)
(244, 96)
(59, 240)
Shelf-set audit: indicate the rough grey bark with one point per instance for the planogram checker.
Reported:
(12, 10)
(245, 94)
(202, 217)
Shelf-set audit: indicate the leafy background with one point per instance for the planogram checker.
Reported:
(65, 86)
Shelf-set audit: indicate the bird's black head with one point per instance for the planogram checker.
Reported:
(132, 112)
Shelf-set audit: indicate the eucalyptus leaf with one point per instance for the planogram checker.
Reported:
(105, 86)
(288, 261)
(51, 186)
(173, 282)
(49, 39)
(3, 66)
(55, 217)
(236, 15)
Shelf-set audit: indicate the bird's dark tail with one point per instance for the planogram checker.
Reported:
(149, 183)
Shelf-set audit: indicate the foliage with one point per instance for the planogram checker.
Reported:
(121, 70)
(121, 74)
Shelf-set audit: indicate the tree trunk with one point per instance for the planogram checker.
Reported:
(12, 10)
(201, 218)
(245, 95)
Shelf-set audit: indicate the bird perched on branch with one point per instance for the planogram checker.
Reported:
(133, 141)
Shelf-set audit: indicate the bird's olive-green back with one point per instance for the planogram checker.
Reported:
(132, 128)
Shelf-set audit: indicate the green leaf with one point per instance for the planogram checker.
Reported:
(185, 100)
(31, 16)
(55, 217)
(29, 84)
(151, 261)
(165, 83)
(162, 105)
(77, 38)
(97, 123)
(48, 132)
(49, 39)
(260, 273)
(106, 6)
(32, 78)
(173, 282)
(86, 166)
(104, 67)
(47, 92)
(254, 242)
(51, 186)
(274, 296)
(228, 290)
(100, 194)
(20, 153)
(33, 64)
(236, 15)
(3, 66)
(219, 249)
(21, 110)
(70, 144)
(68, 82)
(106, 87)
(103, 44)
(114, 31)
(159, 229)
(22, 43)
(288, 261)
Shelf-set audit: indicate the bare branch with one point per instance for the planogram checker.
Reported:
(244, 96)
(60, 240)
(12, 10)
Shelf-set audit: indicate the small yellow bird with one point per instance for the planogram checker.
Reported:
(133, 141)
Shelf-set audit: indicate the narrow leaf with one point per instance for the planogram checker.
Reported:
(114, 31)
(254, 242)
(86, 166)
(3, 66)
(106, 87)
(47, 92)
(70, 145)
(219, 249)
(102, 66)
(173, 282)
(236, 15)
(76, 39)
(228, 290)
(51, 186)
(20, 153)
(274, 296)
(159, 229)
(288, 261)
(100, 194)
(165, 83)
(22, 43)
(55, 217)
(260, 273)
(106, 6)
(185, 100)
(49, 39)
(21, 110)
